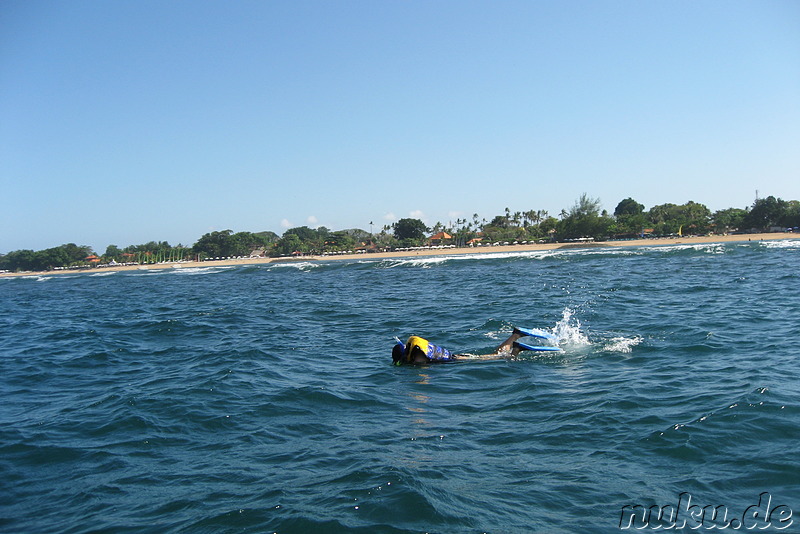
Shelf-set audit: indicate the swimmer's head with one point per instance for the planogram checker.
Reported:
(398, 354)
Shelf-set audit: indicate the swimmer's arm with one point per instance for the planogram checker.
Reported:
(493, 356)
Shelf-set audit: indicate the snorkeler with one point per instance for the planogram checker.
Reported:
(418, 350)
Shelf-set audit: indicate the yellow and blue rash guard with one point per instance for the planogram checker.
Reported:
(433, 353)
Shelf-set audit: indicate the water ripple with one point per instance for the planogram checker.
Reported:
(262, 398)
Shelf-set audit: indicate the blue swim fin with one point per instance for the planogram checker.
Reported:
(532, 332)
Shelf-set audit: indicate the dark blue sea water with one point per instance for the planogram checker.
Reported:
(263, 399)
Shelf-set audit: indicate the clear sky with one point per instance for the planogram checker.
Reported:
(126, 122)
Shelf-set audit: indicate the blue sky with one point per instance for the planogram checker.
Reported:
(126, 122)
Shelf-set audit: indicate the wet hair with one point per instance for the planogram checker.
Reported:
(398, 354)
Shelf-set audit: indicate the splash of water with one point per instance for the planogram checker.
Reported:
(568, 330)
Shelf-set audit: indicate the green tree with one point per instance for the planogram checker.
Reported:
(340, 241)
(113, 252)
(500, 221)
(584, 220)
(628, 207)
(212, 244)
(547, 228)
(661, 213)
(244, 243)
(303, 232)
(357, 234)
(19, 260)
(630, 218)
(311, 240)
(289, 244)
(220, 244)
(766, 213)
(728, 220)
(66, 255)
(791, 216)
(698, 217)
(267, 237)
(668, 219)
(410, 231)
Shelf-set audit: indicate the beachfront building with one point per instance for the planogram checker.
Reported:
(439, 239)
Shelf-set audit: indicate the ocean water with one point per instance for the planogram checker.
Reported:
(263, 399)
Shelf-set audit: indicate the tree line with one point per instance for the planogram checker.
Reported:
(584, 220)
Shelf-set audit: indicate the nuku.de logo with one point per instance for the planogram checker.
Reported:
(761, 516)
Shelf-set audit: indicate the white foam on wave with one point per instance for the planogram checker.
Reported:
(602, 251)
(189, 271)
(426, 262)
(712, 248)
(632, 250)
(109, 273)
(429, 261)
(535, 254)
(622, 344)
(300, 266)
(784, 244)
(37, 277)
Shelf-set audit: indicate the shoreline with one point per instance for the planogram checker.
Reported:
(689, 240)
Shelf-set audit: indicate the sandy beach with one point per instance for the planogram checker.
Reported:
(689, 240)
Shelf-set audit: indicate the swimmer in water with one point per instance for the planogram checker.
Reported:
(420, 351)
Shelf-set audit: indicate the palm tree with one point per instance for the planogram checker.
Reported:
(530, 217)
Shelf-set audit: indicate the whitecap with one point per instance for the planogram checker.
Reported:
(622, 344)
(189, 271)
(784, 244)
(712, 248)
(37, 277)
(304, 266)
(429, 261)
